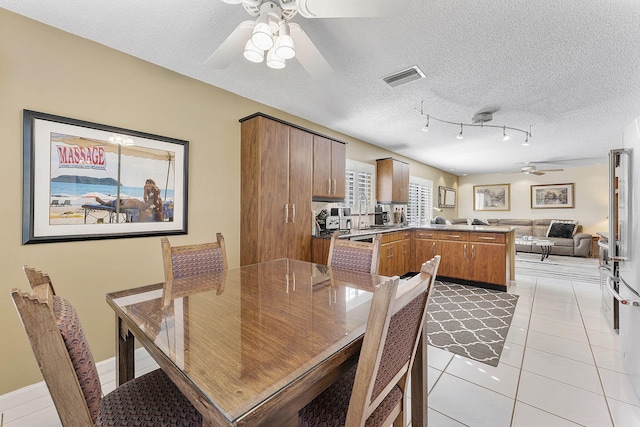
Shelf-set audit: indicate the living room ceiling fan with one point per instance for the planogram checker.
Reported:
(530, 169)
(271, 35)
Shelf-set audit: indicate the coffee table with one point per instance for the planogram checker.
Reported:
(545, 245)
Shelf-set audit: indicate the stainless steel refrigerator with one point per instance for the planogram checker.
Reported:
(624, 244)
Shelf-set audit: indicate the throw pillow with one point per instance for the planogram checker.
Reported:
(477, 221)
(562, 221)
(559, 229)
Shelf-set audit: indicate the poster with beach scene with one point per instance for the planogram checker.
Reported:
(85, 180)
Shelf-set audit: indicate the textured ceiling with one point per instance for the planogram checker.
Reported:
(570, 69)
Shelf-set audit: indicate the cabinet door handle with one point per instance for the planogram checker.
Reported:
(473, 251)
(404, 248)
(286, 213)
(453, 236)
(465, 250)
(334, 186)
(293, 212)
(486, 238)
(329, 186)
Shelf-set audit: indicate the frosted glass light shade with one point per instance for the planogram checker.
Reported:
(252, 53)
(274, 61)
(284, 47)
(262, 36)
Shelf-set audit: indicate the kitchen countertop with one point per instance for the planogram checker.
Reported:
(348, 234)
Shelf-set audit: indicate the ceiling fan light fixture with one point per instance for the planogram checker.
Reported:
(262, 35)
(526, 141)
(274, 61)
(252, 53)
(460, 136)
(284, 46)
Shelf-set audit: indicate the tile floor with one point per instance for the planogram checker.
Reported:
(561, 366)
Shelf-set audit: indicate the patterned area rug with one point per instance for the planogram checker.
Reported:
(469, 321)
(558, 267)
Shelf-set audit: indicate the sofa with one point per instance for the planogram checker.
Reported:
(577, 245)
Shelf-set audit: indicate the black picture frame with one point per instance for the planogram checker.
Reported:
(74, 171)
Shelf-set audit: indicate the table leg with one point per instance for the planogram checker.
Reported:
(125, 355)
(419, 390)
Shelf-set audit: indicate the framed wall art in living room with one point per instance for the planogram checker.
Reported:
(446, 197)
(85, 181)
(494, 197)
(552, 196)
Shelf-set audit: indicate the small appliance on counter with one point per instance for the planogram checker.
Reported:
(381, 215)
(345, 218)
(332, 222)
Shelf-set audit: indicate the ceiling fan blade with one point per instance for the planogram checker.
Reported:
(232, 1)
(536, 173)
(351, 8)
(551, 170)
(231, 47)
(308, 54)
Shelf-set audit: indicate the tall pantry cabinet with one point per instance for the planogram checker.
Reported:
(277, 165)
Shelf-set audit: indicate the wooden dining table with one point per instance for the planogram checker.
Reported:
(251, 346)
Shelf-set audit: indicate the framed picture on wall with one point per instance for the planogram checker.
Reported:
(446, 197)
(494, 197)
(84, 181)
(552, 196)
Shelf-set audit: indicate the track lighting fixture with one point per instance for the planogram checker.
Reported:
(479, 120)
(425, 128)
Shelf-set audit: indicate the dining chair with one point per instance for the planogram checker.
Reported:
(373, 393)
(67, 365)
(181, 262)
(354, 255)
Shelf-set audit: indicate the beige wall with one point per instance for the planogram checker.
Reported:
(50, 71)
(590, 190)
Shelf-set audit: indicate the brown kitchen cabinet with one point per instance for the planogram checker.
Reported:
(487, 259)
(453, 249)
(395, 253)
(424, 247)
(276, 178)
(329, 167)
(392, 181)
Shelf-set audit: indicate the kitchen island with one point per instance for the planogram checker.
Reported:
(476, 255)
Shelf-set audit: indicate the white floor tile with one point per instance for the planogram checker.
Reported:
(438, 358)
(512, 354)
(470, 404)
(563, 400)
(586, 290)
(436, 419)
(561, 346)
(560, 368)
(617, 386)
(558, 329)
(551, 281)
(432, 377)
(573, 319)
(592, 312)
(46, 417)
(502, 379)
(520, 320)
(624, 415)
(516, 335)
(608, 359)
(592, 301)
(604, 339)
(548, 304)
(528, 416)
(597, 324)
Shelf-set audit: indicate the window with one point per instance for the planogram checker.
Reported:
(359, 184)
(419, 209)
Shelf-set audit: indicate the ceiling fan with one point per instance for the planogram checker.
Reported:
(272, 35)
(530, 169)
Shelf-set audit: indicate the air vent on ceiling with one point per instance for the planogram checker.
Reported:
(404, 76)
